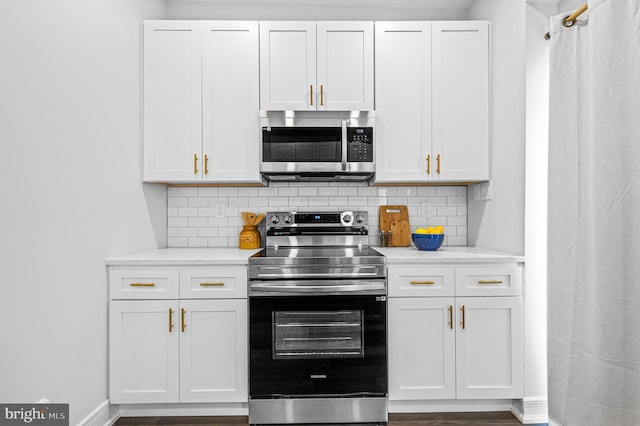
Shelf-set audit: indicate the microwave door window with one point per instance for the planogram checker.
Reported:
(302, 144)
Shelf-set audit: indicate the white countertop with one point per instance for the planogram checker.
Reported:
(235, 256)
(445, 254)
(185, 256)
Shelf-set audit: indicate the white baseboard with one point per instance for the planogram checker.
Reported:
(104, 415)
(187, 409)
(531, 410)
(444, 406)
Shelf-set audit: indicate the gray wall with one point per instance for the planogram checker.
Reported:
(71, 190)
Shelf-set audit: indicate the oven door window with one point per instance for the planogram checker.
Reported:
(318, 334)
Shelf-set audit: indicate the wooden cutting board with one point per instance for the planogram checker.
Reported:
(400, 230)
(401, 233)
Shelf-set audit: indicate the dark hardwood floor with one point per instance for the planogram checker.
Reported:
(498, 418)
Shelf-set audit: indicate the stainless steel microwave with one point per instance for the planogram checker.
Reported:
(317, 145)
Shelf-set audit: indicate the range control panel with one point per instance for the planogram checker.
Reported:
(304, 219)
(360, 144)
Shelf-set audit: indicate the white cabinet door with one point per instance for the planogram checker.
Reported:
(489, 347)
(230, 101)
(143, 352)
(421, 348)
(172, 101)
(213, 351)
(288, 65)
(345, 66)
(460, 63)
(403, 101)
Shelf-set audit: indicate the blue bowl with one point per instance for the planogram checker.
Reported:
(429, 242)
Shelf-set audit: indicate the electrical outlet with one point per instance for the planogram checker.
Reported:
(426, 209)
(220, 210)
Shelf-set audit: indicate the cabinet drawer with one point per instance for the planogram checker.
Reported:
(489, 281)
(421, 281)
(219, 283)
(143, 283)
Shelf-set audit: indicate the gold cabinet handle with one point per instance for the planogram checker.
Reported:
(489, 282)
(438, 160)
(321, 95)
(215, 284)
(170, 320)
(142, 284)
(195, 164)
(450, 317)
(311, 94)
(429, 164)
(422, 282)
(183, 325)
(462, 322)
(206, 164)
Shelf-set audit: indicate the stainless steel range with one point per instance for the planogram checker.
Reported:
(318, 312)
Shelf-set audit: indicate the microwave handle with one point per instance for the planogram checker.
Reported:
(344, 145)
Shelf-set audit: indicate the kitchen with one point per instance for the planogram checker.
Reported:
(78, 71)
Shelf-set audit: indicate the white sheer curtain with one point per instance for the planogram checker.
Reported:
(594, 218)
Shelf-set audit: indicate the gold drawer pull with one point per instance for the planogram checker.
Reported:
(142, 284)
(170, 320)
(216, 284)
(183, 325)
(423, 282)
(489, 281)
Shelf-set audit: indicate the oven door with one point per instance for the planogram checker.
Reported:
(318, 346)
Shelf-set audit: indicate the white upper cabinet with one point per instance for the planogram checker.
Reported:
(432, 82)
(316, 66)
(460, 64)
(172, 100)
(345, 65)
(403, 92)
(230, 101)
(201, 101)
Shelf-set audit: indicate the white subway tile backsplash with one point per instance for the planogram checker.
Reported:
(447, 211)
(191, 220)
(447, 191)
(197, 221)
(330, 191)
(187, 191)
(278, 202)
(288, 192)
(310, 191)
(228, 191)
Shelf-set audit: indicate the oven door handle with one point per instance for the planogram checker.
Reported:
(299, 271)
(319, 287)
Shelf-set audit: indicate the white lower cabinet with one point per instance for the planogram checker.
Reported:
(442, 346)
(178, 350)
(213, 351)
(489, 348)
(422, 357)
(143, 351)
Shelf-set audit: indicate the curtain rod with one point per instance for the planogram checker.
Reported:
(571, 19)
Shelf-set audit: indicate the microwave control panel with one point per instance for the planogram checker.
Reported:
(360, 144)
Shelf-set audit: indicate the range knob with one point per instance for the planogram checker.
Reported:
(288, 219)
(347, 218)
(360, 218)
(275, 219)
